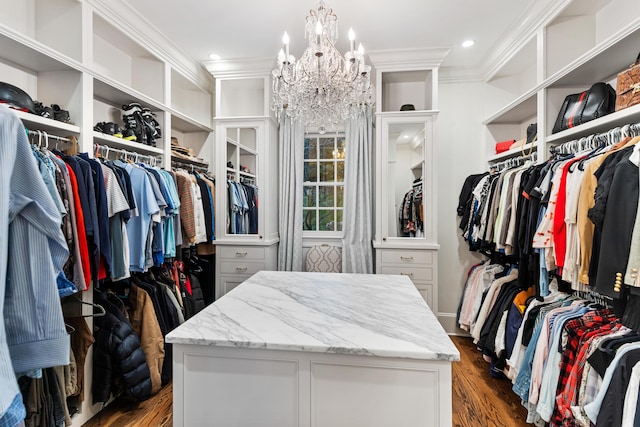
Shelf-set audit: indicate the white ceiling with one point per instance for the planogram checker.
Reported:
(237, 29)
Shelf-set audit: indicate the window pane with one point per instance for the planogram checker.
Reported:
(340, 196)
(326, 172)
(327, 146)
(310, 148)
(326, 196)
(309, 219)
(310, 172)
(309, 199)
(339, 220)
(326, 220)
(340, 168)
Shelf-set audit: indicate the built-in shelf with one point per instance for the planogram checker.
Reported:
(418, 165)
(514, 152)
(183, 123)
(117, 94)
(112, 141)
(32, 122)
(619, 118)
(517, 111)
(186, 161)
(247, 174)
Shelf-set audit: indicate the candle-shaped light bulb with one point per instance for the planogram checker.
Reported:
(285, 40)
(281, 57)
(361, 57)
(352, 39)
(318, 31)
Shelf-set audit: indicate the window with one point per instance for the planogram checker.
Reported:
(323, 182)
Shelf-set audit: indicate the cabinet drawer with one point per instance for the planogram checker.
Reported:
(241, 252)
(414, 272)
(227, 283)
(418, 258)
(241, 268)
(427, 293)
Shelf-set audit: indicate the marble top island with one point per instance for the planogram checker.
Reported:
(288, 349)
(373, 315)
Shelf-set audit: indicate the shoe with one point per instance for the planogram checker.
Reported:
(59, 114)
(117, 131)
(132, 117)
(43, 111)
(154, 127)
(129, 135)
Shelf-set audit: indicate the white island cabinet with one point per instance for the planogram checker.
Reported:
(314, 349)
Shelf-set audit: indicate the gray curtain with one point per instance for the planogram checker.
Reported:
(290, 179)
(357, 224)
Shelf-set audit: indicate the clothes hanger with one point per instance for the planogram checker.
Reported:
(101, 310)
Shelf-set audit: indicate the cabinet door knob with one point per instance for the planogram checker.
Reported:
(406, 258)
(407, 274)
(241, 254)
(239, 269)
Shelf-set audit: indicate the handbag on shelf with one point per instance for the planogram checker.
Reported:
(503, 146)
(579, 108)
(628, 86)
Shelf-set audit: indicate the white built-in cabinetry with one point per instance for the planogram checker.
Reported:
(246, 152)
(404, 162)
(83, 56)
(578, 44)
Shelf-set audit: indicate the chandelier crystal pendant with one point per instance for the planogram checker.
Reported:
(323, 87)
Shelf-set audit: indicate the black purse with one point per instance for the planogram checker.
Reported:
(579, 108)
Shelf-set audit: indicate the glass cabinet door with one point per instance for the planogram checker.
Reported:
(242, 193)
(406, 208)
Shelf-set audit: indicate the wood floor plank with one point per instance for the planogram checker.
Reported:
(478, 398)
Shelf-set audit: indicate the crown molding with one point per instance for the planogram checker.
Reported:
(240, 67)
(408, 58)
(119, 13)
(459, 75)
(525, 27)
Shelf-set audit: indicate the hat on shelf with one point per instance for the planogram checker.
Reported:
(16, 98)
(408, 107)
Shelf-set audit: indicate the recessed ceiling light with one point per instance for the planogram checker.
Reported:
(468, 43)
(406, 137)
(214, 56)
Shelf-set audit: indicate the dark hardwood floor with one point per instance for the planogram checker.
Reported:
(479, 400)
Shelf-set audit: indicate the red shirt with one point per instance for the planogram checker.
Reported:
(82, 233)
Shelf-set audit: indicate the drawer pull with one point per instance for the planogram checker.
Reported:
(241, 254)
(406, 258)
(241, 269)
(407, 274)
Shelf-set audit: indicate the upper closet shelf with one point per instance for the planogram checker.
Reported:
(186, 124)
(32, 121)
(517, 111)
(111, 141)
(513, 152)
(31, 54)
(601, 63)
(114, 93)
(619, 118)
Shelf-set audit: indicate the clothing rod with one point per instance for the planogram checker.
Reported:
(136, 156)
(178, 164)
(609, 137)
(514, 161)
(41, 133)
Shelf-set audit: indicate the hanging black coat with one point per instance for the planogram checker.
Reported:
(117, 353)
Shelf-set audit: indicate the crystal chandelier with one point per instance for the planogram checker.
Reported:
(323, 87)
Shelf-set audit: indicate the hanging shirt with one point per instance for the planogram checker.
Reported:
(138, 226)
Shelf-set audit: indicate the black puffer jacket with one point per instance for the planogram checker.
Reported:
(117, 353)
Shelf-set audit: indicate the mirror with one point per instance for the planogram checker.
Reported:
(404, 186)
(242, 194)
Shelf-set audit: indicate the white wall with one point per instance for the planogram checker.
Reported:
(460, 152)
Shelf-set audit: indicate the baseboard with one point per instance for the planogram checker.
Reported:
(448, 322)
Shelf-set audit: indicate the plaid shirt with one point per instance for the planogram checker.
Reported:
(579, 332)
